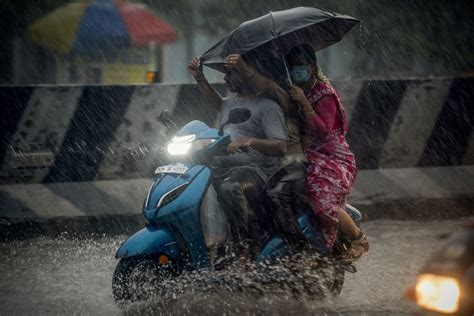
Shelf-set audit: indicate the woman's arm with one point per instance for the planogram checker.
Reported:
(321, 120)
(212, 95)
(267, 86)
(319, 117)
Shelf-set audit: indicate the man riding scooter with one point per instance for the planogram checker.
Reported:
(253, 153)
(185, 229)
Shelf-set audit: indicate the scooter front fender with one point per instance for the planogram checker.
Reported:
(150, 240)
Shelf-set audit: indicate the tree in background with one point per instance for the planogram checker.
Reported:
(396, 38)
(15, 16)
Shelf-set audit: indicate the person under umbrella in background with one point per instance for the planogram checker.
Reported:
(331, 168)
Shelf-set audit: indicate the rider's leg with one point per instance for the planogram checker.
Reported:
(284, 218)
(239, 191)
(235, 207)
(347, 225)
(359, 244)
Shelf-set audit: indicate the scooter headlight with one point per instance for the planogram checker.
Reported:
(437, 293)
(180, 145)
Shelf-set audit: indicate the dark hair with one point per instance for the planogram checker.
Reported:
(267, 62)
(303, 50)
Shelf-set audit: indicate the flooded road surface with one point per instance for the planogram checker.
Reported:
(64, 276)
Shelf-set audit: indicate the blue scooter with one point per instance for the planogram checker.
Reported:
(185, 225)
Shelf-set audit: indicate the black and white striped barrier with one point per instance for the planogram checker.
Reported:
(83, 133)
(114, 206)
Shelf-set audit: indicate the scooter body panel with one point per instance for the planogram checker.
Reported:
(150, 240)
(172, 209)
(181, 212)
(313, 233)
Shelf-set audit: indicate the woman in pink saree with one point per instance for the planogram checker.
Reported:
(331, 168)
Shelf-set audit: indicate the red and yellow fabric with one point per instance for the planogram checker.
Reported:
(91, 27)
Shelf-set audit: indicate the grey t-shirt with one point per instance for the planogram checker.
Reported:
(267, 121)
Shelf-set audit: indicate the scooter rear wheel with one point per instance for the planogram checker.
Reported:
(338, 283)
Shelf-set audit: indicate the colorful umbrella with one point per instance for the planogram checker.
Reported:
(91, 27)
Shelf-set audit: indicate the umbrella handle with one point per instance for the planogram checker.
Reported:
(288, 77)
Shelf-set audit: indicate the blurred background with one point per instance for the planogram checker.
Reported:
(58, 42)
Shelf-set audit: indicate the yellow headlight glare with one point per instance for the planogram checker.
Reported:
(438, 293)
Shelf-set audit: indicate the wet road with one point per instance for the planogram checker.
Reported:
(64, 276)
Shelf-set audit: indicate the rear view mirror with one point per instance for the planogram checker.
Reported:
(165, 116)
(167, 120)
(236, 116)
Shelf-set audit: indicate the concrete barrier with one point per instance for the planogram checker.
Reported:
(79, 158)
(114, 206)
(412, 123)
(94, 132)
(72, 209)
(84, 133)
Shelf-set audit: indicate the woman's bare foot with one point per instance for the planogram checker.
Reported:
(357, 248)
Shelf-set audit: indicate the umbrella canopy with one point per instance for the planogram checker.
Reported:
(274, 34)
(88, 28)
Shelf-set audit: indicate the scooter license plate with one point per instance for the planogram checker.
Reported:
(171, 169)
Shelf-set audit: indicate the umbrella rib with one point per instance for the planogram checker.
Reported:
(279, 49)
(273, 25)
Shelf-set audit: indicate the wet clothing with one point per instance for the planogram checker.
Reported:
(294, 125)
(286, 191)
(240, 177)
(326, 119)
(267, 121)
(240, 190)
(286, 188)
(332, 169)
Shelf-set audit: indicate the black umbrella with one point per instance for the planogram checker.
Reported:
(265, 40)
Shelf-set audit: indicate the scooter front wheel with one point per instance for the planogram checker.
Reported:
(137, 278)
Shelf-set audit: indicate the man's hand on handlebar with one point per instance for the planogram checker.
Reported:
(242, 144)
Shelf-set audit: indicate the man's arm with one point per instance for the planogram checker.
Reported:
(269, 147)
(211, 94)
(275, 131)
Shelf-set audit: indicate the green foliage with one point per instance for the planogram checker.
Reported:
(17, 15)
(394, 35)
(435, 30)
